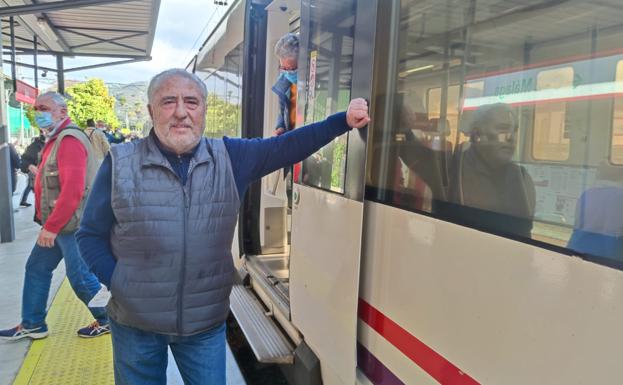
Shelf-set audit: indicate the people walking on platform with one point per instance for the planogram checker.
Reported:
(98, 139)
(65, 174)
(30, 159)
(14, 164)
(158, 228)
(112, 137)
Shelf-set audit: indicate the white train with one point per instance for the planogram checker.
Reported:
(474, 233)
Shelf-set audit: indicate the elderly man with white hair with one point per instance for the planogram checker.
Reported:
(65, 173)
(159, 224)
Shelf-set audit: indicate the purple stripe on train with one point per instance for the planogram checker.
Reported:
(374, 369)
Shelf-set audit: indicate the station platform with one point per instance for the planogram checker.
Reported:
(62, 357)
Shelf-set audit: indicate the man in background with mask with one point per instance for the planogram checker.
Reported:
(287, 50)
(64, 177)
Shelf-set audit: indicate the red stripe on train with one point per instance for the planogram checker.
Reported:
(423, 356)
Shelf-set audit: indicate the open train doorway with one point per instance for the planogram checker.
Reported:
(270, 267)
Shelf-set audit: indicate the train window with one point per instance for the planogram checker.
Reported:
(616, 150)
(494, 118)
(551, 138)
(224, 108)
(330, 50)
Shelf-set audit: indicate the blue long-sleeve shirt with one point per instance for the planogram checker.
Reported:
(251, 159)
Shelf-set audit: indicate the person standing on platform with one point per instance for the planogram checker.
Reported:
(112, 138)
(98, 140)
(15, 163)
(65, 174)
(159, 224)
(30, 159)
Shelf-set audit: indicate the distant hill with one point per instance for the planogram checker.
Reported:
(131, 104)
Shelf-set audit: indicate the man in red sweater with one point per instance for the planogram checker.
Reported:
(64, 175)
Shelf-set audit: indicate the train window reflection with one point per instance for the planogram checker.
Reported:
(551, 138)
(223, 104)
(616, 151)
(502, 122)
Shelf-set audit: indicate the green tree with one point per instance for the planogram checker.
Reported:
(222, 118)
(29, 112)
(91, 99)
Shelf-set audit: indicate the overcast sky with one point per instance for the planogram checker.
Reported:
(181, 23)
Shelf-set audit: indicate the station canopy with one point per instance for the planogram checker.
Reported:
(96, 28)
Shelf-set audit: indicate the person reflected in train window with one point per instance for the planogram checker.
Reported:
(491, 190)
(417, 173)
(598, 228)
(158, 228)
(411, 188)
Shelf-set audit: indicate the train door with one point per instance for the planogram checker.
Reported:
(327, 210)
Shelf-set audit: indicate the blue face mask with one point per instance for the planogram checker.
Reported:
(43, 119)
(292, 76)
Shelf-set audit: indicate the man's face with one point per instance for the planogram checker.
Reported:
(46, 104)
(288, 64)
(498, 137)
(178, 112)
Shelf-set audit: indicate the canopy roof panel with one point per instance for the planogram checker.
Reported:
(112, 29)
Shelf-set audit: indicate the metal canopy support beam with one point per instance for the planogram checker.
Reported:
(112, 40)
(13, 54)
(90, 67)
(53, 6)
(30, 66)
(7, 224)
(60, 74)
(97, 39)
(72, 54)
(95, 29)
(18, 37)
(34, 56)
(59, 38)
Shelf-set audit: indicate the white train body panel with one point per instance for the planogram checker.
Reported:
(502, 311)
(324, 278)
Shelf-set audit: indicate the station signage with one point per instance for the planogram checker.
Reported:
(25, 93)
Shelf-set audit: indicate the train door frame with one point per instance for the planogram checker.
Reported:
(254, 59)
(327, 227)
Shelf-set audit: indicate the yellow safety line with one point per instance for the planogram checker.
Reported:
(63, 358)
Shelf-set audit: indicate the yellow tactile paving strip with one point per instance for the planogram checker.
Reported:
(63, 358)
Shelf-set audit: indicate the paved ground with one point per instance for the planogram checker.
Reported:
(13, 257)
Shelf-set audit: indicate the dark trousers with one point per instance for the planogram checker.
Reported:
(27, 191)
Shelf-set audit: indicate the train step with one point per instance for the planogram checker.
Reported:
(266, 340)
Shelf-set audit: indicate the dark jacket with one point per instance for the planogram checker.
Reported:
(282, 90)
(15, 161)
(31, 154)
